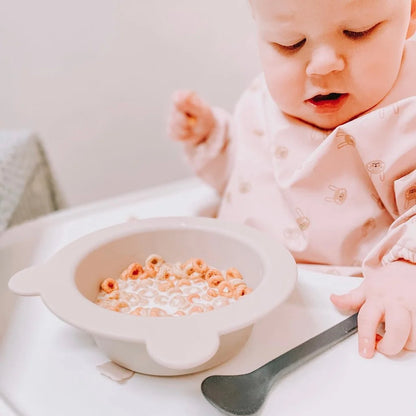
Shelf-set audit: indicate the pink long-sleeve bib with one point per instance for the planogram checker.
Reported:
(340, 197)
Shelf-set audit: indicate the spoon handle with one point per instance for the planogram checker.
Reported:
(309, 349)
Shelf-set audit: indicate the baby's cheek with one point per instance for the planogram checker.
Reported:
(285, 82)
(286, 94)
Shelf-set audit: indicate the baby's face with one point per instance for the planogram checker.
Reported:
(328, 61)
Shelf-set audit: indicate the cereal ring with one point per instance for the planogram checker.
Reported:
(164, 286)
(225, 289)
(104, 303)
(122, 304)
(148, 273)
(145, 283)
(179, 313)
(157, 312)
(188, 290)
(198, 265)
(189, 269)
(133, 298)
(143, 301)
(196, 309)
(138, 311)
(212, 272)
(236, 282)
(148, 293)
(177, 271)
(212, 292)
(109, 305)
(175, 291)
(196, 276)
(164, 272)
(161, 300)
(115, 294)
(178, 302)
(132, 272)
(145, 312)
(108, 285)
(233, 273)
(154, 261)
(198, 281)
(239, 291)
(190, 298)
(215, 280)
(183, 282)
(247, 290)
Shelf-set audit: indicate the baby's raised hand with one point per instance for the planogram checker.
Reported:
(190, 118)
(387, 294)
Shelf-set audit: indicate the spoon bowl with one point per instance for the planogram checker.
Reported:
(245, 394)
(242, 394)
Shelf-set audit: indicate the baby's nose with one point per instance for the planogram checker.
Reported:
(324, 60)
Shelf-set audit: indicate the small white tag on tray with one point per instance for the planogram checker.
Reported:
(114, 371)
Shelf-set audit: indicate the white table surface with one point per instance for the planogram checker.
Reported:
(48, 368)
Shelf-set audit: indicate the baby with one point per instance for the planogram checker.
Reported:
(321, 150)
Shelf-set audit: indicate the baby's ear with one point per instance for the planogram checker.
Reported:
(412, 24)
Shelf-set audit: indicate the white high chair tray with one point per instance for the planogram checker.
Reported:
(48, 368)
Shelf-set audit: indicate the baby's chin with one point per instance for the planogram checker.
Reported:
(328, 122)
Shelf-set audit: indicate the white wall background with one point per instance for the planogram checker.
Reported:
(94, 77)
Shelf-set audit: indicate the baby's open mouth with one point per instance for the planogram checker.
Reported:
(333, 96)
(328, 102)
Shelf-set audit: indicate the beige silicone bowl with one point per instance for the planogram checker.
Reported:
(69, 282)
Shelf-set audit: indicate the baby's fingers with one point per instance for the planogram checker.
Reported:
(398, 325)
(350, 301)
(187, 102)
(178, 127)
(181, 96)
(369, 317)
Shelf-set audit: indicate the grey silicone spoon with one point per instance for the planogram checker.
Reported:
(244, 394)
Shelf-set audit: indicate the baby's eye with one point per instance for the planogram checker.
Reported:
(358, 35)
(290, 48)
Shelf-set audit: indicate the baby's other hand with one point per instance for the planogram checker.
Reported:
(387, 294)
(190, 118)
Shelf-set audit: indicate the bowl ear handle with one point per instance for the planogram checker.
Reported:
(180, 349)
(26, 282)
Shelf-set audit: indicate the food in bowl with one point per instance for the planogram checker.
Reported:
(69, 282)
(171, 289)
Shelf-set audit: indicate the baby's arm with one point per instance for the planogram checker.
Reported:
(388, 292)
(204, 132)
